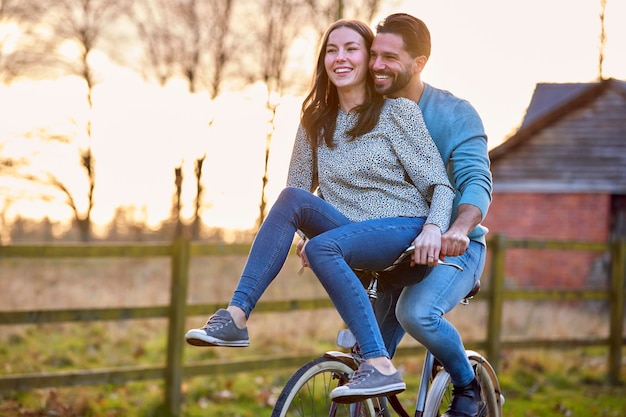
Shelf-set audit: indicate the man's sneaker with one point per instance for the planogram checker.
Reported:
(467, 402)
(220, 330)
(368, 382)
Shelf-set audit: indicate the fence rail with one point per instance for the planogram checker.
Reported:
(180, 252)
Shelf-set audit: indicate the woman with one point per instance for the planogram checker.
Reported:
(381, 180)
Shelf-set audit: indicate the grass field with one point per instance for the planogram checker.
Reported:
(535, 382)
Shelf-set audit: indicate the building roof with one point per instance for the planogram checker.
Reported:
(572, 139)
(549, 103)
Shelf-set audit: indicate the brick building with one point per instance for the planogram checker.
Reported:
(562, 176)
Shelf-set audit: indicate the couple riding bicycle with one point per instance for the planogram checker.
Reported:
(383, 178)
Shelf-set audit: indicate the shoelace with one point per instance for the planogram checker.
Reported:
(359, 376)
(216, 321)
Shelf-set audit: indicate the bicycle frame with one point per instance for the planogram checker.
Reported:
(346, 340)
(435, 382)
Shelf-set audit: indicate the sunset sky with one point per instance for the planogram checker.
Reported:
(491, 52)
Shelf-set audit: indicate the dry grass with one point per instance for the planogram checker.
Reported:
(114, 282)
(81, 283)
(78, 283)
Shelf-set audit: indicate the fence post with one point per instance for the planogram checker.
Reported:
(176, 328)
(618, 270)
(496, 300)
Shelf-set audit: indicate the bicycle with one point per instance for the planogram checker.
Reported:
(307, 392)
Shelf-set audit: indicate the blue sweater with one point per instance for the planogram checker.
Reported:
(459, 134)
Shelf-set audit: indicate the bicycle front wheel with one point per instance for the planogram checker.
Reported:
(307, 392)
(440, 392)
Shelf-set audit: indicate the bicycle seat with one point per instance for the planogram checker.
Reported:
(406, 257)
(474, 290)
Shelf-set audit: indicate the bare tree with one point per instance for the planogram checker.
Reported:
(21, 51)
(602, 40)
(189, 39)
(12, 14)
(327, 11)
(365, 10)
(82, 22)
(186, 38)
(22, 54)
(191, 50)
(277, 26)
(177, 205)
(196, 225)
(194, 39)
(152, 19)
(220, 38)
(8, 168)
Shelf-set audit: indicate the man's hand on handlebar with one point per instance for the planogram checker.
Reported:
(453, 243)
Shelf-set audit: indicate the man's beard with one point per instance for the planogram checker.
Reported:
(398, 83)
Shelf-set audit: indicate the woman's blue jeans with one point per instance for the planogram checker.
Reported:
(336, 245)
(418, 309)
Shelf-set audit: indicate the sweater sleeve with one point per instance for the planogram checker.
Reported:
(458, 131)
(422, 161)
(302, 170)
(469, 159)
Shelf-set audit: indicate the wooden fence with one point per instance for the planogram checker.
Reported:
(180, 251)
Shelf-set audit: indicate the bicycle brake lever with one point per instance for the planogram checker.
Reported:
(409, 251)
(459, 267)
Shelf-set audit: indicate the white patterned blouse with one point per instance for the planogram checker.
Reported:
(395, 170)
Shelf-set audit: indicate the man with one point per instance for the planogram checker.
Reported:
(398, 55)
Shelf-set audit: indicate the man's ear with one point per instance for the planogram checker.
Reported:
(419, 63)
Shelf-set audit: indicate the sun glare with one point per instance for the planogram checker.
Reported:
(487, 52)
(69, 50)
(9, 34)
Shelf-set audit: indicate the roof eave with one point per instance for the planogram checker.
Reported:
(593, 91)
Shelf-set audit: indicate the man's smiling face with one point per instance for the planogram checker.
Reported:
(390, 64)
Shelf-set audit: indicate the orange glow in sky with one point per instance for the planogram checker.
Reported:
(491, 52)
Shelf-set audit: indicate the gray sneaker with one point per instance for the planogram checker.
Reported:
(368, 382)
(220, 330)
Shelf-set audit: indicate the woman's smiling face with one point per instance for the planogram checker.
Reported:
(346, 58)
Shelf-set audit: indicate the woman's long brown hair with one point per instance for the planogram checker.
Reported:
(320, 107)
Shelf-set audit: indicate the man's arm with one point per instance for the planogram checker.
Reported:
(454, 241)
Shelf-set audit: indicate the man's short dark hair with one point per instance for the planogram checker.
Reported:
(412, 30)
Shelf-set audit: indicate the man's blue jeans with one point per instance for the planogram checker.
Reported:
(336, 246)
(418, 309)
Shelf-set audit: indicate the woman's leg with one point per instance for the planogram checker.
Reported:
(294, 209)
(390, 328)
(370, 245)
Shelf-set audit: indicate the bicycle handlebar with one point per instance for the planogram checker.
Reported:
(403, 258)
(408, 252)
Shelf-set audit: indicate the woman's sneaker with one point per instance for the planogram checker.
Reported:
(220, 330)
(368, 382)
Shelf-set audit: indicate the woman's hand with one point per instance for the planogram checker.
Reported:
(427, 246)
(301, 253)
